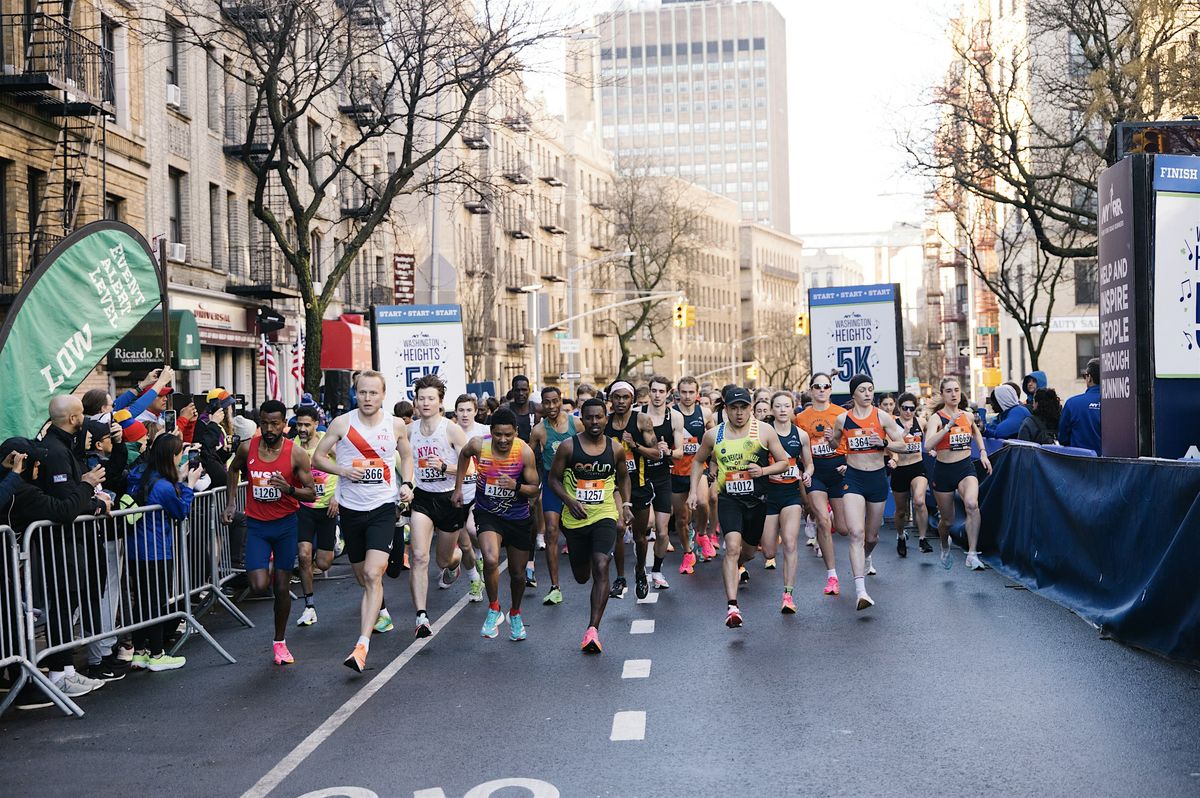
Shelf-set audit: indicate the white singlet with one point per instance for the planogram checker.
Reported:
(426, 447)
(373, 449)
(477, 431)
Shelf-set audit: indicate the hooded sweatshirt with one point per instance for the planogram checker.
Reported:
(1040, 377)
(1012, 414)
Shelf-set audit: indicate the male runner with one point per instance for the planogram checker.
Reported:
(506, 479)
(365, 443)
(696, 419)
(555, 428)
(740, 445)
(279, 479)
(435, 444)
(588, 474)
(636, 434)
(527, 413)
(466, 410)
(317, 520)
(668, 435)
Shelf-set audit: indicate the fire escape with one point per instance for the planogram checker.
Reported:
(48, 65)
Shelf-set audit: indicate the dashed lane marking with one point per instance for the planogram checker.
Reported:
(628, 725)
(642, 626)
(636, 669)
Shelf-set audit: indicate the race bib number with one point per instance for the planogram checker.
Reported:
(494, 491)
(469, 479)
(791, 475)
(261, 490)
(822, 449)
(630, 464)
(739, 483)
(373, 471)
(690, 446)
(860, 442)
(912, 445)
(426, 472)
(589, 491)
(319, 488)
(960, 440)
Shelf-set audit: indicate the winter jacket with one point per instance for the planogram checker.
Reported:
(30, 503)
(1079, 425)
(134, 403)
(8, 486)
(1040, 376)
(1035, 429)
(214, 451)
(1008, 423)
(152, 537)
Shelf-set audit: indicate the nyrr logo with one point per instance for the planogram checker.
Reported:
(1112, 208)
(1193, 453)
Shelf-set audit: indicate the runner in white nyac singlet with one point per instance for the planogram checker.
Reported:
(364, 444)
(436, 441)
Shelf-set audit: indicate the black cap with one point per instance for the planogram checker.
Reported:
(27, 446)
(97, 429)
(737, 396)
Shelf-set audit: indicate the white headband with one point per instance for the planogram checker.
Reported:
(621, 385)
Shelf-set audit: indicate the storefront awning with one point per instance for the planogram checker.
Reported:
(345, 346)
(142, 348)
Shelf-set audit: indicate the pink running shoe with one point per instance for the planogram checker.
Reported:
(831, 586)
(707, 549)
(688, 566)
(788, 607)
(282, 655)
(591, 641)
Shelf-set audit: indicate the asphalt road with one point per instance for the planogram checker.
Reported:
(955, 684)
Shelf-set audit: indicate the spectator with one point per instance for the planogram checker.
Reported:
(151, 546)
(1079, 425)
(214, 434)
(1042, 425)
(11, 469)
(1033, 380)
(1010, 413)
(102, 447)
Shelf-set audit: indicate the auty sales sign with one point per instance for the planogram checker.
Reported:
(411, 341)
(853, 331)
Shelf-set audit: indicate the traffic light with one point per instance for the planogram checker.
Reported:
(680, 316)
(689, 315)
(752, 372)
(801, 324)
(1147, 140)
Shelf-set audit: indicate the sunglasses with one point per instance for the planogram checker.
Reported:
(909, 408)
(824, 387)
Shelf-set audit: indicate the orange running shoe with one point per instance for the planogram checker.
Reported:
(688, 566)
(788, 607)
(357, 661)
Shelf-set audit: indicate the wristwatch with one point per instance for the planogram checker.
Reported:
(407, 484)
(291, 490)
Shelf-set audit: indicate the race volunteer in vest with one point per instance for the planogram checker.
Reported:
(317, 520)
(555, 428)
(741, 446)
(949, 436)
(785, 495)
(278, 479)
(589, 476)
(868, 433)
(908, 477)
(636, 434)
(829, 465)
(436, 442)
(668, 434)
(696, 419)
(364, 444)
(506, 479)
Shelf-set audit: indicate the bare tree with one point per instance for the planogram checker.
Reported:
(387, 83)
(783, 357)
(1024, 124)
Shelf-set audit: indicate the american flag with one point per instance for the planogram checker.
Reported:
(298, 365)
(266, 357)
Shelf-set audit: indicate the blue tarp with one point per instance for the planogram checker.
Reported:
(1116, 541)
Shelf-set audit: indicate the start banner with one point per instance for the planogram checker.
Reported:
(856, 330)
(410, 341)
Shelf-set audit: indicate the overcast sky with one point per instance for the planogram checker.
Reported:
(856, 73)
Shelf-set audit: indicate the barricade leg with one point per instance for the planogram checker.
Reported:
(30, 674)
(192, 623)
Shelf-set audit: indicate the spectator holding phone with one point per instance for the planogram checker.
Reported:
(214, 434)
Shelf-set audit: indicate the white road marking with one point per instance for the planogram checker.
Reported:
(650, 598)
(636, 669)
(642, 626)
(293, 760)
(436, 792)
(628, 725)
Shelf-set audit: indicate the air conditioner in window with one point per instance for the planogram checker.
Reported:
(174, 96)
(177, 253)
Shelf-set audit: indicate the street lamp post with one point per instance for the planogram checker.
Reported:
(534, 290)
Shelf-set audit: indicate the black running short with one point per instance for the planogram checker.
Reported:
(903, 476)
(661, 502)
(439, 509)
(745, 516)
(641, 497)
(517, 533)
(364, 530)
(598, 537)
(316, 527)
(947, 476)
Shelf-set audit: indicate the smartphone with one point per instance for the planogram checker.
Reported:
(168, 420)
(193, 459)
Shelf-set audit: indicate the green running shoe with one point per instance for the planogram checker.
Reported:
(553, 597)
(384, 623)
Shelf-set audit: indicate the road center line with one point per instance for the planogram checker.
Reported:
(642, 626)
(628, 725)
(335, 721)
(636, 669)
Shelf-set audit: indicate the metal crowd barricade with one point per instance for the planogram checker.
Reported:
(211, 555)
(14, 650)
(66, 571)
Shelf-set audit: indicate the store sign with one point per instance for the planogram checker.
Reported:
(1075, 324)
(854, 330)
(142, 348)
(404, 272)
(411, 341)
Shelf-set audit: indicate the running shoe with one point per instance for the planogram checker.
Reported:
(670, 547)
(384, 622)
(74, 686)
(491, 624)
(448, 577)
(541, 542)
(282, 655)
(743, 576)
(769, 565)
(658, 580)
(708, 549)
(423, 628)
(831, 586)
(643, 585)
(810, 530)
(140, 661)
(475, 594)
(788, 605)
(619, 588)
(870, 567)
(165, 662)
(308, 617)
(733, 617)
(518, 628)
(357, 661)
(924, 546)
(947, 560)
(591, 641)
(902, 544)
(973, 561)
(810, 542)
(530, 577)
(688, 566)
(553, 598)
(864, 601)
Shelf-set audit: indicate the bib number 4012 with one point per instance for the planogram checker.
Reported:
(852, 360)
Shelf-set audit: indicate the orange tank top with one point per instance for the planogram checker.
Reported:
(815, 422)
(858, 431)
(960, 435)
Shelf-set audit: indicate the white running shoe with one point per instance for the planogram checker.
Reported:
(448, 577)
(541, 542)
(864, 602)
(947, 560)
(973, 561)
(658, 581)
(308, 617)
(871, 567)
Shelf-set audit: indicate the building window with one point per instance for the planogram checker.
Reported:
(1087, 346)
(114, 207)
(175, 180)
(216, 256)
(314, 256)
(108, 40)
(7, 266)
(174, 53)
(1087, 287)
(216, 91)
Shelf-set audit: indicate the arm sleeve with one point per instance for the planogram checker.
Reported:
(60, 509)
(125, 400)
(187, 428)
(163, 494)
(115, 478)
(1064, 425)
(8, 486)
(141, 403)
(1010, 426)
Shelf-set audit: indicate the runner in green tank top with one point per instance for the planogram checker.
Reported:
(739, 445)
(545, 438)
